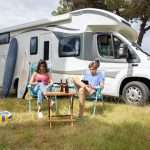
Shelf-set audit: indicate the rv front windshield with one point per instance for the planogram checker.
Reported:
(139, 48)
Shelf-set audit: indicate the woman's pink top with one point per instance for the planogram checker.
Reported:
(44, 78)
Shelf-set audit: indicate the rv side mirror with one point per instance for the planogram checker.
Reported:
(123, 51)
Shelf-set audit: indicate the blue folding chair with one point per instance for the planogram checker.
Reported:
(31, 95)
(96, 96)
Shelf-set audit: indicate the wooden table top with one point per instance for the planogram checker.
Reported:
(59, 94)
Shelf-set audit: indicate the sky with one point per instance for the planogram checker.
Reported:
(146, 39)
(14, 12)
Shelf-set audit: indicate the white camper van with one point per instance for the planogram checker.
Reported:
(69, 42)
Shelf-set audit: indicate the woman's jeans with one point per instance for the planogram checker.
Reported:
(38, 90)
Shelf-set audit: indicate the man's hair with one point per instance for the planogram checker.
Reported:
(94, 64)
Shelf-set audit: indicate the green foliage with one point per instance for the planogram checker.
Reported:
(78, 4)
(115, 4)
(138, 9)
(63, 8)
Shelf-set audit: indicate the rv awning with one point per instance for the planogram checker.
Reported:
(126, 31)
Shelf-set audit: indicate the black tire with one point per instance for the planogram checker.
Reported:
(136, 93)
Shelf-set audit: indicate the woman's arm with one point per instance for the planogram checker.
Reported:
(32, 80)
(50, 78)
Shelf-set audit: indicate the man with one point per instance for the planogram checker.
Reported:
(88, 85)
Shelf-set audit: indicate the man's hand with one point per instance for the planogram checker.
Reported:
(90, 86)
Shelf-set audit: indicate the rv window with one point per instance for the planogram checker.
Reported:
(119, 47)
(69, 46)
(105, 45)
(110, 46)
(46, 50)
(33, 45)
(4, 38)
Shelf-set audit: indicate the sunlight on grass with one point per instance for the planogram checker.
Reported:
(115, 127)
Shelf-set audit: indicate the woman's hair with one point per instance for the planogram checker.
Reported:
(42, 62)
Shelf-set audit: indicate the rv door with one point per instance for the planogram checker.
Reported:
(45, 42)
(113, 55)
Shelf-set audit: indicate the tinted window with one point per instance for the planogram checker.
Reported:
(69, 46)
(4, 38)
(118, 48)
(46, 50)
(110, 46)
(105, 45)
(33, 45)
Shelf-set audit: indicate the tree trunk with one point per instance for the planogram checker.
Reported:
(142, 31)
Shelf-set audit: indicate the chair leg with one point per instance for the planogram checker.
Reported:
(56, 102)
(102, 101)
(30, 105)
(94, 107)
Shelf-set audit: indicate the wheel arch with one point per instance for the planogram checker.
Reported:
(130, 79)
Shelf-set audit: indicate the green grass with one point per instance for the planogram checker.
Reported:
(115, 127)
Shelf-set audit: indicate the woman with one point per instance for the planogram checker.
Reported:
(39, 81)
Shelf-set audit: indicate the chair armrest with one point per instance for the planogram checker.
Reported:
(29, 86)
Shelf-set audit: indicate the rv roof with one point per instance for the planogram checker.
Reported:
(60, 18)
(100, 12)
(91, 20)
(42, 22)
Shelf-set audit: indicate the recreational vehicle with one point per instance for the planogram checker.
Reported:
(68, 43)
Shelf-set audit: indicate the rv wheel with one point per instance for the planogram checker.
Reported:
(135, 93)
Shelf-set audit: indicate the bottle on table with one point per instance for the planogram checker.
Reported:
(61, 86)
(66, 87)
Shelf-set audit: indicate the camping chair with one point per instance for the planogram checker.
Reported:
(30, 95)
(95, 97)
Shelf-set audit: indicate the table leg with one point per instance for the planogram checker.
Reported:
(71, 115)
(49, 112)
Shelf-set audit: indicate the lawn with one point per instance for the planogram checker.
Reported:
(115, 127)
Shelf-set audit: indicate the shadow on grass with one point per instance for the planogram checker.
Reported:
(100, 107)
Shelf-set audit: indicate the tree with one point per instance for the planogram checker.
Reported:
(116, 6)
(133, 9)
(140, 9)
(63, 7)
(70, 5)
(89, 4)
